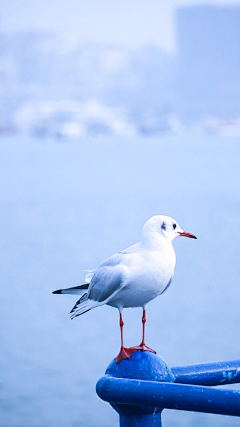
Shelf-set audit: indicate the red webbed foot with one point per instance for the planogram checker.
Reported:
(142, 347)
(125, 353)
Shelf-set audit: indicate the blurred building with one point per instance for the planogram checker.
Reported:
(208, 40)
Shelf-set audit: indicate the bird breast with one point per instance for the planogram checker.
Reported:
(148, 277)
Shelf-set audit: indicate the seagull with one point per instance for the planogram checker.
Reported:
(132, 277)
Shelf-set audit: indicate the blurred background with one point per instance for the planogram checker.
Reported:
(110, 113)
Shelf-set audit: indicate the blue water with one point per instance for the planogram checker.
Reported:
(64, 209)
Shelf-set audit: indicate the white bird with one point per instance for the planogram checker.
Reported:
(132, 277)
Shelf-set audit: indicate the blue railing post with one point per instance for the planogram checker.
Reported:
(143, 366)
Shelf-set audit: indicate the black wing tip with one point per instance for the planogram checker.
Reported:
(59, 291)
(78, 314)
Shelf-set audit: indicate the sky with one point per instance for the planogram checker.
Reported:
(127, 22)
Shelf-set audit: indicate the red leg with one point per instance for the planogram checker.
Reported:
(143, 346)
(143, 323)
(124, 353)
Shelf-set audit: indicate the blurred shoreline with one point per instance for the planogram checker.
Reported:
(61, 87)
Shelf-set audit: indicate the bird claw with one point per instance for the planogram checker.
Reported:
(125, 353)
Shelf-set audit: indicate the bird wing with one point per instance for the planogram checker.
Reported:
(167, 286)
(107, 279)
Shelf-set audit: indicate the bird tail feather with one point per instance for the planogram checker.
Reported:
(76, 290)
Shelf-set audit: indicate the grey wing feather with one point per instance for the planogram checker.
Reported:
(107, 279)
(104, 284)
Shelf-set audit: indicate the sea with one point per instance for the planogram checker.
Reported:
(68, 205)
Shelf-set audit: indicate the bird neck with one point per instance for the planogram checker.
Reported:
(156, 242)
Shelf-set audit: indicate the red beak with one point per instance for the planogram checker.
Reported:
(191, 236)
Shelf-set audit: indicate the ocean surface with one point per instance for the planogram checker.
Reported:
(65, 208)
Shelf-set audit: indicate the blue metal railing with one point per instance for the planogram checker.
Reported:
(141, 388)
(208, 374)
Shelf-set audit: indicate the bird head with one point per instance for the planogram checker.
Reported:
(163, 226)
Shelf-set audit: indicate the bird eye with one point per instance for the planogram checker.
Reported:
(174, 226)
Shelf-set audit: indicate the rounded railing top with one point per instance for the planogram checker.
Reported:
(141, 366)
